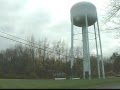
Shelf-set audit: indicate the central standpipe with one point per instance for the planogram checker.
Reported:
(86, 55)
(86, 23)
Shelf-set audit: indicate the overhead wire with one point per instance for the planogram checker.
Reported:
(30, 42)
(32, 46)
(21, 39)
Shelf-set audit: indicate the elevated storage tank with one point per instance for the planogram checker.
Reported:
(78, 12)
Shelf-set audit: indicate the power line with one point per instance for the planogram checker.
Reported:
(19, 38)
(24, 39)
(33, 46)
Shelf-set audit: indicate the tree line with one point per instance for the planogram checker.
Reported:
(49, 61)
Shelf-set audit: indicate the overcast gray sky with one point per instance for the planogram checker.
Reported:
(48, 18)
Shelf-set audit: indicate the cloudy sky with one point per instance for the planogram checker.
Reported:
(50, 19)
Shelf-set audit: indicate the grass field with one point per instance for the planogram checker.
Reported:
(53, 84)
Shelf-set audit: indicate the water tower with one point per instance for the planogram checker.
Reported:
(84, 14)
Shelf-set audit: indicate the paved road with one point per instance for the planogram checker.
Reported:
(108, 86)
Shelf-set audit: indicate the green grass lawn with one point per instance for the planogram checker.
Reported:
(68, 84)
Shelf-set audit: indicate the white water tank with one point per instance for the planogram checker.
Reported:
(78, 12)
